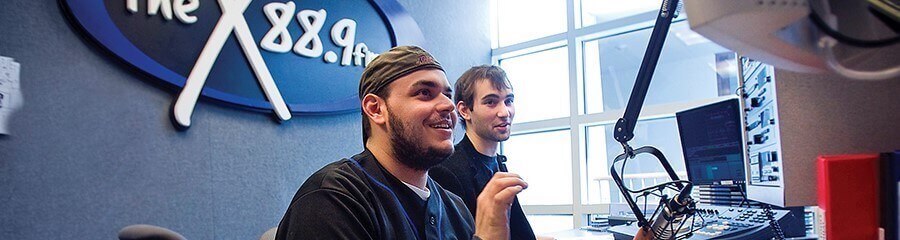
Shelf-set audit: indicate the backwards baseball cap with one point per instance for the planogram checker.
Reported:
(393, 64)
(389, 66)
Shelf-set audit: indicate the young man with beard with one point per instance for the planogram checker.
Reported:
(385, 192)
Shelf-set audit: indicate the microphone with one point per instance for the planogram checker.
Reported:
(147, 232)
(673, 215)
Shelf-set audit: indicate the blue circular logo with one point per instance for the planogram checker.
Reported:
(290, 57)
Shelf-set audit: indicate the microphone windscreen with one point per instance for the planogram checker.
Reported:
(148, 232)
(269, 235)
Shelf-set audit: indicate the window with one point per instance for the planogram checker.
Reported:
(541, 86)
(543, 160)
(602, 11)
(686, 70)
(572, 64)
(521, 20)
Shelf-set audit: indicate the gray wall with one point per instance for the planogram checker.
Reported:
(93, 149)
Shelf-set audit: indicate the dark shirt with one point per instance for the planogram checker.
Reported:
(358, 199)
(466, 173)
(489, 165)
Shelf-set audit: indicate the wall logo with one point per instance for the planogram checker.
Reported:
(288, 56)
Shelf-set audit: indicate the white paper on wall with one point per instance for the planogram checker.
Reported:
(11, 98)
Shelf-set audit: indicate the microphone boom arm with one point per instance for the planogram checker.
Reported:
(624, 128)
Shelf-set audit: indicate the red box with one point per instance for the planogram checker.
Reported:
(848, 194)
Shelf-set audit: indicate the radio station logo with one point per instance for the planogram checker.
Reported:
(287, 57)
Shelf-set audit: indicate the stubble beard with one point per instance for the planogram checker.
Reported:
(408, 149)
(488, 133)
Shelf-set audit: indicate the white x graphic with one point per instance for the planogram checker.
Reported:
(232, 20)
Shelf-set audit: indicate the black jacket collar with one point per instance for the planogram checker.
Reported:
(468, 148)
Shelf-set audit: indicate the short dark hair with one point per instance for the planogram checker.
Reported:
(465, 85)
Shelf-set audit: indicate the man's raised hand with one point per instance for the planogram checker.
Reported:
(492, 215)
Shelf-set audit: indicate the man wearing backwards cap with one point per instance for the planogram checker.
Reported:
(385, 192)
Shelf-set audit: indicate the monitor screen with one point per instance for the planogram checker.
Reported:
(712, 143)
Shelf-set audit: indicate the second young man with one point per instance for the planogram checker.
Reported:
(484, 102)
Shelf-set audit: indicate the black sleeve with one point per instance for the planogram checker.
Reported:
(326, 214)
(446, 179)
(452, 183)
(519, 228)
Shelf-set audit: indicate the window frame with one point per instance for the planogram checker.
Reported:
(578, 121)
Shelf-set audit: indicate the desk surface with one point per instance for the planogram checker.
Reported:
(580, 234)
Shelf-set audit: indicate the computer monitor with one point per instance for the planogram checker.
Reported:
(712, 141)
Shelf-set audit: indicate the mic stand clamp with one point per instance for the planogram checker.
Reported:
(629, 152)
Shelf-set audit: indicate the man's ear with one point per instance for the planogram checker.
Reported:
(374, 107)
(464, 111)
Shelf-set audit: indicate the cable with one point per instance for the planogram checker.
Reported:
(752, 90)
(743, 196)
(827, 45)
(737, 91)
(665, 184)
(776, 228)
(817, 20)
(658, 191)
(661, 186)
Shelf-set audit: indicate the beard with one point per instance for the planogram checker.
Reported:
(408, 149)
